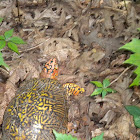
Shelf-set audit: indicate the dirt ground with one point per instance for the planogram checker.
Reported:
(84, 36)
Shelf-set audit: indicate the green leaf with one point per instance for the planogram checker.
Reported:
(134, 59)
(97, 91)
(13, 47)
(132, 46)
(133, 110)
(137, 121)
(17, 40)
(2, 63)
(97, 83)
(2, 37)
(8, 34)
(104, 92)
(2, 44)
(138, 29)
(60, 136)
(106, 83)
(110, 90)
(1, 19)
(100, 137)
(136, 81)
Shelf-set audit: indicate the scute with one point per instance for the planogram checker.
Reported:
(38, 107)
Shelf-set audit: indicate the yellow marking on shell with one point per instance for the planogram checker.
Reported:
(22, 137)
(9, 110)
(30, 101)
(22, 117)
(43, 94)
(48, 87)
(7, 127)
(55, 111)
(72, 88)
(14, 130)
(34, 85)
(39, 121)
(19, 114)
(29, 94)
(44, 105)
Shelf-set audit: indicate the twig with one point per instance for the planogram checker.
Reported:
(120, 75)
(34, 46)
(17, 3)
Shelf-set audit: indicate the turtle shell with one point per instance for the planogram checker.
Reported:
(38, 107)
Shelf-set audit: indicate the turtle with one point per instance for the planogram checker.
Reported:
(38, 107)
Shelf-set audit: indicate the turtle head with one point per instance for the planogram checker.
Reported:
(50, 69)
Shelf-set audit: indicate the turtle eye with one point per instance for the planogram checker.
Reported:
(51, 61)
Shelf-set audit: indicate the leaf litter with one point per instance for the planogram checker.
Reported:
(84, 36)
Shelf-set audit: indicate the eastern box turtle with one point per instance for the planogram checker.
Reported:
(39, 107)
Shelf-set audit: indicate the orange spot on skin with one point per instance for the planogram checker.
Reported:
(50, 69)
(72, 88)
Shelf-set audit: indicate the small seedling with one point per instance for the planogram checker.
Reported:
(102, 88)
(8, 40)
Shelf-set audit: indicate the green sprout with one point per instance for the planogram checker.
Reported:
(102, 88)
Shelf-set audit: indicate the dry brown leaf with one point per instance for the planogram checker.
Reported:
(62, 18)
(122, 87)
(61, 48)
(137, 91)
(119, 60)
(109, 116)
(85, 62)
(94, 108)
(6, 8)
(84, 104)
(89, 89)
(112, 100)
(68, 78)
(2, 90)
(74, 111)
(111, 71)
(31, 2)
(85, 120)
(121, 128)
(96, 132)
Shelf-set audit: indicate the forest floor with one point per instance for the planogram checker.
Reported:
(85, 37)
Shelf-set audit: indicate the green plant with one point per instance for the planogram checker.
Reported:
(60, 136)
(2, 63)
(134, 59)
(1, 19)
(138, 29)
(8, 40)
(102, 88)
(135, 112)
(100, 137)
